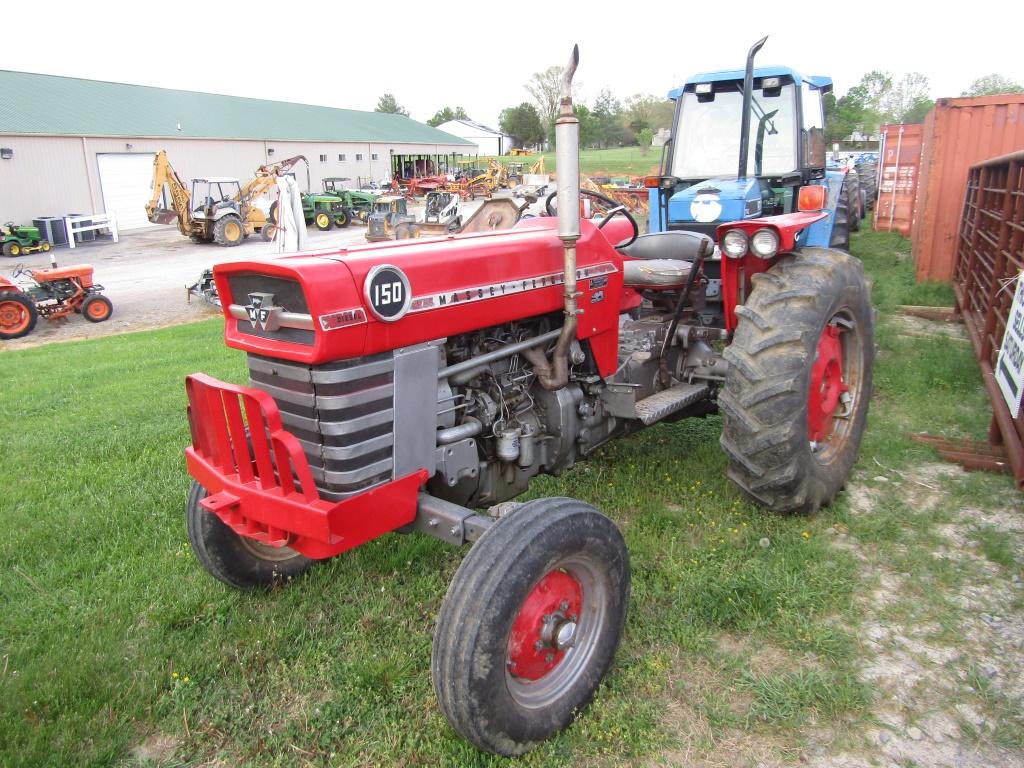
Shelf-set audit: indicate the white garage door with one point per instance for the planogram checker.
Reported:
(125, 180)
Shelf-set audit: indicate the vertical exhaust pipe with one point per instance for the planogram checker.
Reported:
(748, 95)
(555, 375)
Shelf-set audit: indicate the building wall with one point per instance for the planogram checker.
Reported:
(56, 175)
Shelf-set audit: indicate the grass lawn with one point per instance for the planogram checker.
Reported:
(116, 648)
(621, 161)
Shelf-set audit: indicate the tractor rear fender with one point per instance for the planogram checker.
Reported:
(736, 272)
(7, 285)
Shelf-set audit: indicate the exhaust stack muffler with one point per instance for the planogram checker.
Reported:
(555, 375)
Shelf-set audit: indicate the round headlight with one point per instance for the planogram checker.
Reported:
(734, 243)
(764, 243)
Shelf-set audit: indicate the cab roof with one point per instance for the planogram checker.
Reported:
(723, 75)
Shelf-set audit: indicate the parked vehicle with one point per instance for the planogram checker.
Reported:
(421, 386)
(17, 240)
(390, 220)
(54, 294)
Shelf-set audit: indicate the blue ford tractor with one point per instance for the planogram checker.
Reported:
(707, 178)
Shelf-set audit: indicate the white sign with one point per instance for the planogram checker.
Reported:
(1010, 363)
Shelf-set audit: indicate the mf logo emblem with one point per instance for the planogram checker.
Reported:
(262, 312)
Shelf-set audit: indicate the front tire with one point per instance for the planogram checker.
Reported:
(530, 624)
(236, 560)
(795, 399)
(97, 308)
(342, 219)
(840, 238)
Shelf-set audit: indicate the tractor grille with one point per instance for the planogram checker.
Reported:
(342, 413)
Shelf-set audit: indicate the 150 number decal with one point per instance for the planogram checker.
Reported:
(387, 293)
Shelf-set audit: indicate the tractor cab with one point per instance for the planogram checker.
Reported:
(212, 197)
(738, 155)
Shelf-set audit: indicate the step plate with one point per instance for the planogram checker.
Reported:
(665, 403)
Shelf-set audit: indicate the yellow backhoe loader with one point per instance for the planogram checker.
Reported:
(218, 210)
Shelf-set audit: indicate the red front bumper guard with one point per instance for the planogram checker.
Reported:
(241, 469)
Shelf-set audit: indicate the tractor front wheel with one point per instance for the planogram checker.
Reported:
(228, 231)
(18, 315)
(97, 308)
(795, 399)
(840, 238)
(236, 560)
(342, 219)
(530, 624)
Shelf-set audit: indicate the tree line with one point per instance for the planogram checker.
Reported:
(878, 98)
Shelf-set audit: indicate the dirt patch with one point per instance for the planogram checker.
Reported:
(942, 686)
(158, 750)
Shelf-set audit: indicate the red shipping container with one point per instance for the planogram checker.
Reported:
(958, 133)
(898, 164)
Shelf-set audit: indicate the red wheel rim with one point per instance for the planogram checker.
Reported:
(545, 626)
(827, 385)
(14, 317)
(97, 310)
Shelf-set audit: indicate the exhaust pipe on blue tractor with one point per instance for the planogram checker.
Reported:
(748, 95)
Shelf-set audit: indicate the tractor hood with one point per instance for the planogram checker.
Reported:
(715, 201)
(363, 300)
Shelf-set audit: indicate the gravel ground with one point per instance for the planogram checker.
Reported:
(145, 276)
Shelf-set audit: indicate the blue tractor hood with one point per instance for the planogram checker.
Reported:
(716, 201)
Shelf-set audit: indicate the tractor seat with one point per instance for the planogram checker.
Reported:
(676, 244)
(656, 273)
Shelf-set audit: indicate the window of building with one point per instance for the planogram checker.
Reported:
(373, 156)
(323, 158)
(358, 157)
(341, 158)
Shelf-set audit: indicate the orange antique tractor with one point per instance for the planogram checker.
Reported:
(422, 385)
(53, 293)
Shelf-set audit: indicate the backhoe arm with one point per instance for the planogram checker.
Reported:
(163, 173)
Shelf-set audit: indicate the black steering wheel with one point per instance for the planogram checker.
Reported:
(20, 270)
(614, 209)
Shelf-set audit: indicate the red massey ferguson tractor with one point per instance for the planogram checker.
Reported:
(420, 385)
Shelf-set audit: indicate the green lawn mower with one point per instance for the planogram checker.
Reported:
(18, 240)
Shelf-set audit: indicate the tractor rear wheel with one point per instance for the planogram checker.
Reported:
(323, 221)
(228, 231)
(840, 238)
(795, 399)
(530, 624)
(236, 560)
(12, 249)
(18, 315)
(97, 308)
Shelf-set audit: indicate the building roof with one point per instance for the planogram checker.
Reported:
(70, 106)
(476, 126)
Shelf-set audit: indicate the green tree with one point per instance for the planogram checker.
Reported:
(590, 126)
(646, 111)
(388, 103)
(522, 123)
(993, 84)
(446, 114)
(907, 99)
(608, 113)
(544, 88)
(644, 137)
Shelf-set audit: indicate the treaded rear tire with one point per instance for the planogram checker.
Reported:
(470, 662)
(228, 231)
(222, 552)
(840, 238)
(764, 402)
